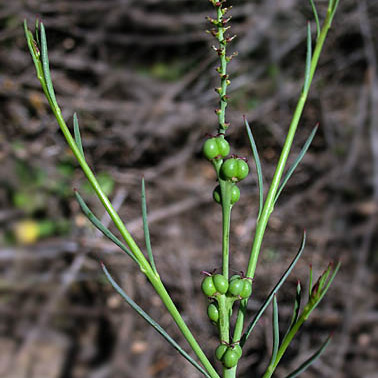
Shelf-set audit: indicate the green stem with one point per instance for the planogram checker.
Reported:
(229, 373)
(224, 319)
(269, 202)
(226, 220)
(222, 73)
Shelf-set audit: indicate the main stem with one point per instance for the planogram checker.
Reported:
(226, 220)
(222, 72)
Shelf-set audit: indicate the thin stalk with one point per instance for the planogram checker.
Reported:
(224, 319)
(229, 373)
(269, 202)
(222, 73)
(226, 220)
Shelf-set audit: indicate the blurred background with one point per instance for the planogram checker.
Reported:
(140, 75)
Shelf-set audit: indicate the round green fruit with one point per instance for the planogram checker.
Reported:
(220, 351)
(208, 287)
(213, 312)
(217, 197)
(247, 288)
(230, 358)
(235, 194)
(237, 348)
(220, 283)
(234, 169)
(234, 277)
(216, 147)
(235, 287)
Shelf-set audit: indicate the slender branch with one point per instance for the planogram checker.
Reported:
(269, 202)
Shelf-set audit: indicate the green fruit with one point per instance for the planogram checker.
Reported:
(213, 312)
(216, 147)
(234, 169)
(234, 277)
(220, 283)
(220, 351)
(247, 288)
(217, 195)
(237, 348)
(230, 358)
(235, 194)
(208, 287)
(235, 287)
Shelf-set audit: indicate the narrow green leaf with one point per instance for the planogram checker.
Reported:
(37, 32)
(77, 134)
(97, 223)
(334, 7)
(34, 50)
(276, 329)
(152, 322)
(310, 360)
(46, 66)
(323, 278)
(258, 166)
(308, 59)
(310, 283)
(316, 18)
(291, 170)
(259, 313)
(324, 291)
(145, 228)
(297, 306)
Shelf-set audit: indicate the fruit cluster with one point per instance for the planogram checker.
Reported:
(232, 170)
(237, 287)
(229, 355)
(215, 286)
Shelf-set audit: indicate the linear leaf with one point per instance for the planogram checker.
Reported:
(276, 329)
(334, 8)
(46, 66)
(310, 360)
(145, 227)
(324, 291)
(258, 166)
(34, 50)
(152, 322)
(37, 32)
(77, 134)
(97, 223)
(310, 282)
(323, 278)
(316, 18)
(299, 158)
(272, 293)
(297, 306)
(308, 59)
